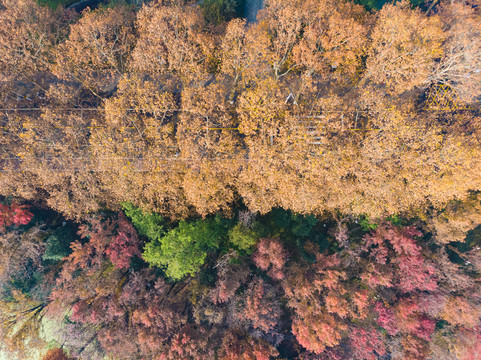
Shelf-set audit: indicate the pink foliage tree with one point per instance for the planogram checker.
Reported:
(412, 271)
(262, 307)
(188, 344)
(366, 344)
(386, 319)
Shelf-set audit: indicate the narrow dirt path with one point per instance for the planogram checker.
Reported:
(251, 9)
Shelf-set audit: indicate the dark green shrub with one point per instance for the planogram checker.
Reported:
(58, 244)
(242, 237)
(218, 11)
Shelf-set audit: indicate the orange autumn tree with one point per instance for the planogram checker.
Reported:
(54, 150)
(334, 37)
(262, 116)
(234, 53)
(316, 296)
(171, 39)
(455, 221)
(460, 67)
(55, 354)
(96, 51)
(27, 37)
(276, 34)
(210, 144)
(135, 140)
(404, 45)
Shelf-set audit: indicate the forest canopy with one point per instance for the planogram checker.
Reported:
(178, 182)
(135, 285)
(319, 106)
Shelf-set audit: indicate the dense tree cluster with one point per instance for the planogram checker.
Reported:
(319, 106)
(307, 288)
(196, 187)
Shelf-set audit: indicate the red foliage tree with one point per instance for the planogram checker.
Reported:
(229, 279)
(328, 354)
(410, 319)
(91, 286)
(125, 245)
(374, 276)
(118, 339)
(116, 239)
(159, 318)
(425, 328)
(406, 317)
(153, 319)
(271, 256)
(240, 346)
(360, 300)
(318, 331)
(14, 215)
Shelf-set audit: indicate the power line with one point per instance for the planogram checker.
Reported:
(194, 111)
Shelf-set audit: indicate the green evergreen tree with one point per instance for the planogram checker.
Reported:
(183, 250)
(150, 225)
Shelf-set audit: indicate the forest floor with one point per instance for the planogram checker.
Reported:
(56, 3)
(78, 5)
